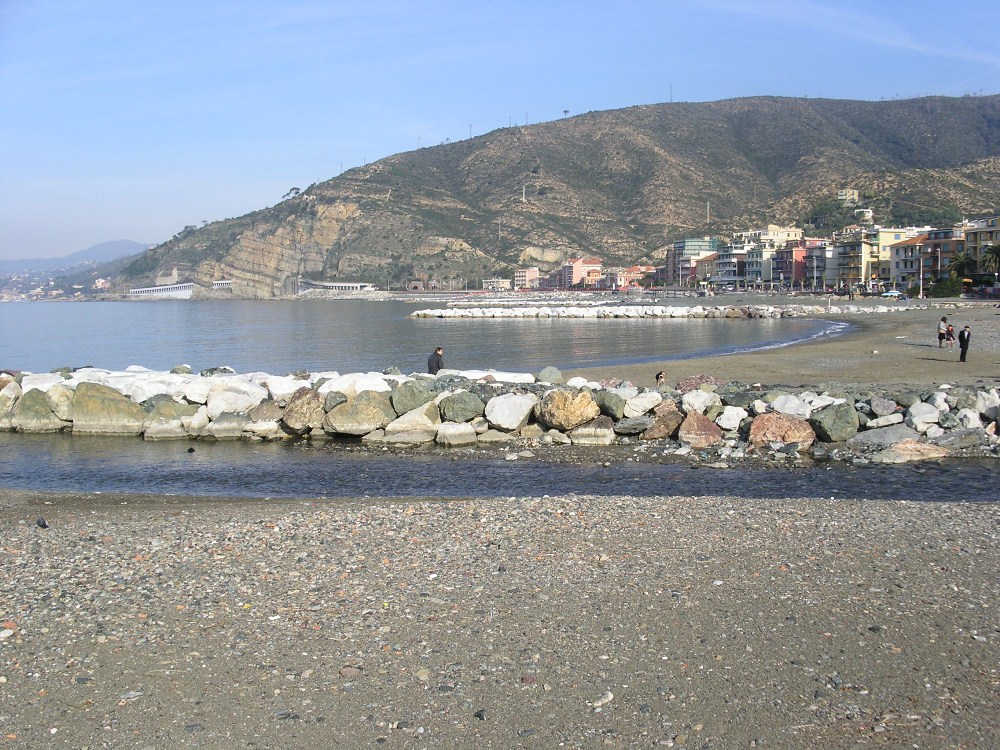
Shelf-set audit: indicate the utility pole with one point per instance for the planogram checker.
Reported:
(708, 211)
(524, 196)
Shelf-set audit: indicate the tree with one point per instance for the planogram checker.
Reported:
(962, 264)
(991, 258)
(291, 193)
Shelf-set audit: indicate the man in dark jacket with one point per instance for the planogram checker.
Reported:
(963, 342)
(435, 362)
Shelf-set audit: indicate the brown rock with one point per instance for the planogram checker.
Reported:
(699, 431)
(667, 420)
(565, 410)
(910, 450)
(697, 381)
(304, 411)
(781, 428)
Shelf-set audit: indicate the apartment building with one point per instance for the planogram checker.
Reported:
(864, 255)
(682, 258)
(584, 271)
(760, 246)
(526, 278)
(979, 235)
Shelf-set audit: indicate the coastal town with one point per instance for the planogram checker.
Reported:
(862, 258)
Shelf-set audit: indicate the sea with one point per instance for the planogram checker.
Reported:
(347, 335)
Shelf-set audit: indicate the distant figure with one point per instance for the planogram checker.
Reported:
(942, 332)
(435, 362)
(964, 337)
(661, 378)
(950, 336)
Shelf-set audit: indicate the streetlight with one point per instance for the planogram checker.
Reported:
(920, 268)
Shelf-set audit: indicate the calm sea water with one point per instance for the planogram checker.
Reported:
(351, 336)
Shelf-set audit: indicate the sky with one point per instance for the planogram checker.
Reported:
(130, 119)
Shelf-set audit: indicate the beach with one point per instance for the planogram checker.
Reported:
(135, 621)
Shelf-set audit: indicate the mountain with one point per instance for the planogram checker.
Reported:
(619, 185)
(102, 253)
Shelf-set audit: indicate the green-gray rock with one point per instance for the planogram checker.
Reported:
(550, 375)
(32, 413)
(611, 404)
(461, 407)
(411, 394)
(835, 423)
(101, 410)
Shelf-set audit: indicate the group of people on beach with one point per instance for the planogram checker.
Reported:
(946, 338)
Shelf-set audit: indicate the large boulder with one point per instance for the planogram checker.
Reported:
(164, 419)
(667, 419)
(227, 426)
(101, 410)
(610, 403)
(906, 451)
(367, 411)
(642, 403)
(510, 411)
(835, 423)
(781, 428)
(882, 406)
(885, 436)
(920, 416)
(565, 410)
(700, 401)
(304, 411)
(549, 375)
(599, 431)
(235, 395)
(634, 425)
(453, 434)
(282, 387)
(9, 395)
(731, 418)
(32, 413)
(424, 419)
(411, 394)
(699, 431)
(60, 397)
(354, 383)
(463, 406)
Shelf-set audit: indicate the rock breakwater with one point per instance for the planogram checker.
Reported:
(701, 418)
(657, 311)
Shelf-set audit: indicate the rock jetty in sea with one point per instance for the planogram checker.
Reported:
(654, 311)
(701, 417)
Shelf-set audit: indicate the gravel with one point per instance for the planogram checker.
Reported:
(575, 621)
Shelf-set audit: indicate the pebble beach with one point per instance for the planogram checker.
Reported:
(136, 621)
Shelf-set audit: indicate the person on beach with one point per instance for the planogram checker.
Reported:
(942, 331)
(964, 337)
(435, 362)
(950, 336)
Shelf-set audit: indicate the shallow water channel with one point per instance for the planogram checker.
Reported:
(59, 463)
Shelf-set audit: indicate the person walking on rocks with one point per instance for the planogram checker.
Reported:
(435, 362)
(964, 337)
(942, 331)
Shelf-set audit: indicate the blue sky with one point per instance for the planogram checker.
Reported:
(131, 119)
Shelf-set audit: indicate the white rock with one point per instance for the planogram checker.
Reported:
(939, 400)
(700, 401)
(498, 375)
(888, 419)
(510, 411)
(731, 417)
(451, 434)
(353, 383)
(988, 403)
(969, 418)
(641, 403)
(41, 382)
(239, 397)
(425, 418)
(921, 415)
(281, 387)
(791, 406)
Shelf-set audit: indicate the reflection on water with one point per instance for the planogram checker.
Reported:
(257, 470)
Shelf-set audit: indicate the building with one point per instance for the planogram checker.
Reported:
(167, 291)
(759, 247)
(790, 261)
(864, 255)
(907, 258)
(496, 285)
(681, 259)
(579, 271)
(848, 197)
(979, 235)
(526, 278)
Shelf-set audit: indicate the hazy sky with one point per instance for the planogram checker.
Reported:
(130, 119)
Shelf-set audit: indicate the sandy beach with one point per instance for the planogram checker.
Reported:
(895, 347)
(574, 621)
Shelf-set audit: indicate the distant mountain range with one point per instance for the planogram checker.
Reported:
(98, 254)
(619, 185)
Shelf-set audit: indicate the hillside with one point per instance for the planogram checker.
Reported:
(102, 253)
(619, 185)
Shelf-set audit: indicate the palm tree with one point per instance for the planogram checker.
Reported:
(991, 258)
(963, 263)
